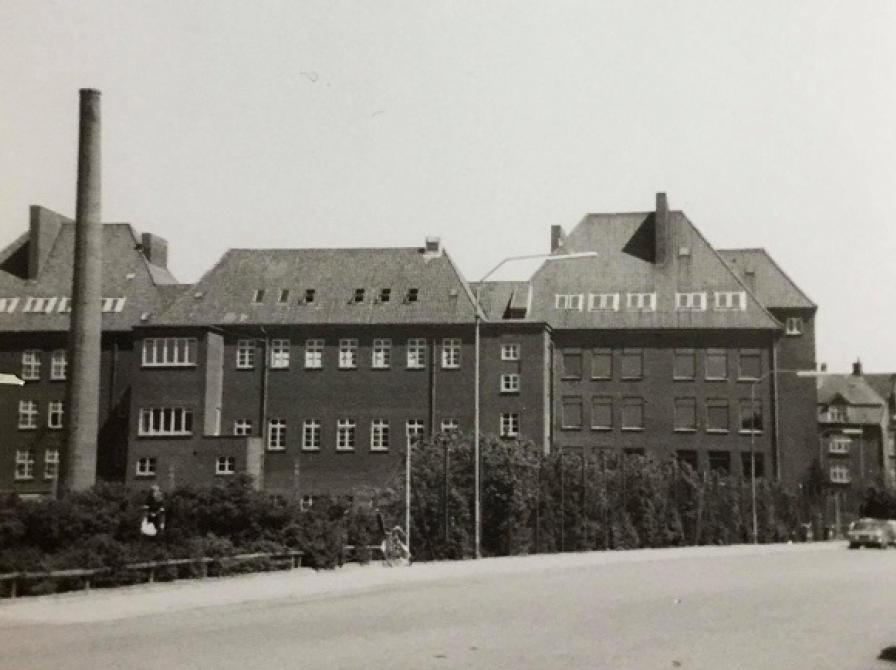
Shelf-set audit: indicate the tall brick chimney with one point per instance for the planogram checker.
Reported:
(857, 368)
(82, 407)
(661, 229)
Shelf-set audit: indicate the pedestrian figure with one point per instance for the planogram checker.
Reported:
(153, 521)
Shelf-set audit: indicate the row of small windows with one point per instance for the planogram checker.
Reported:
(684, 367)
(629, 412)
(357, 295)
(60, 305)
(146, 466)
(348, 354)
(25, 464)
(695, 301)
(32, 361)
(29, 415)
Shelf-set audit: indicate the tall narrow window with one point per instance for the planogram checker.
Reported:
(58, 364)
(310, 294)
(314, 354)
(348, 353)
(451, 352)
(684, 364)
(510, 424)
(716, 364)
(381, 354)
(284, 296)
(632, 414)
(413, 430)
(751, 416)
(24, 464)
(54, 415)
(379, 435)
(51, 463)
(358, 295)
(276, 434)
(717, 415)
(413, 294)
(685, 414)
(602, 413)
(416, 358)
(27, 414)
(632, 363)
(345, 434)
(245, 354)
(602, 364)
(793, 326)
(279, 354)
(31, 364)
(749, 364)
(571, 416)
(385, 294)
(258, 296)
(572, 365)
(311, 435)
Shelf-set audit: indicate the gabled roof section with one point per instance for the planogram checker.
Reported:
(770, 283)
(626, 263)
(883, 383)
(504, 300)
(423, 288)
(851, 388)
(130, 282)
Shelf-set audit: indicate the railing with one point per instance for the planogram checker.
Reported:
(291, 558)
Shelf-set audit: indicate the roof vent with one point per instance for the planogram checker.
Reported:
(433, 245)
(684, 251)
(452, 292)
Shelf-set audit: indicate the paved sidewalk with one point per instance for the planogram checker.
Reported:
(305, 584)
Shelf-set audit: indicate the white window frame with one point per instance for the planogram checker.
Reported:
(145, 466)
(510, 351)
(603, 302)
(242, 427)
(416, 353)
(451, 351)
(346, 430)
(165, 421)
(510, 424)
(449, 425)
(314, 354)
(169, 352)
(55, 413)
(245, 354)
(414, 428)
(379, 435)
(31, 360)
(839, 445)
(381, 353)
(348, 353)
(24, 465)
(276, 437)
(27, 415)
(58, 364)
(280, 350)
(690, 301)
(641, 302)
(225, 465)
(51, 464)
(836, 414)
(730, 301)
(839, 474)
(569, 301)
(510, 382)
(311, 437)
(793, 325)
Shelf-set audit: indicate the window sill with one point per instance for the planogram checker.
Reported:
(570, 427)
(749, 380)
(632, 429)
(380, 367)
(506, 392)
(718, 431)
(310, 449)
(684, 379)
(163, 436)
(167, 366)
(278, 367)
(345, 450)
(415, 367)
(602, 429)
(749, 432)
(24, 479)
(451, 367)
(145, 475)
(569, 378)
(347, 367)
(716, 379)
(27, 427)
(276, 448)
(225, 474)
(601, 379)
(632, 379)
(313, 367)
(684, 430)
(797, 335)
(379, 450)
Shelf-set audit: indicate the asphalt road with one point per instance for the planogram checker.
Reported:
(794, 608)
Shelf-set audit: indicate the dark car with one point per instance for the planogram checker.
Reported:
(871, 533)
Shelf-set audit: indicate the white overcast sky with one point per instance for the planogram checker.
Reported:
(301, 124)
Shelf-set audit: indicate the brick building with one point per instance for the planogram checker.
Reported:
(35, 290)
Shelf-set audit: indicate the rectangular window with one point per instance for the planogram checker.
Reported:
(358, 295)
(793, 326)
(602, 364)
(720, 461)
(449, 425)
(58, 364)
(24, 464)
(510, 383)
(572, 365)
(225, 465)
(413, 294)
(381, 356)
(571, 301)
(686, 414)
(54, 415)
(840, 474)
(276, 434)
(169, 352)
(839, 445)
(749, 364)
(451, 353)
(279, 354)
(31, 364)
(245, 354)
(311, 435)
(146, 467)
(751, 416)
(571, 416)
(379, 435)
(603, 302)
(632, 363)
(51, 463)
(836, 414)
(510, 424)
(632, 414)
(413, 430)
(314, 354)
(416, 354)
(310, 294)
(242, 427)
(716, 364)
(684, 364)
(748, 462)
(258, 296)
(510, 352)
(688, 456)
(345, 435)
(348, 353)
(27, 414)
(690, 302)
(284, 296)
(717, 415)
(730, 300)
(642, 302)
(602, 413)
(165, 421)
(385, 294)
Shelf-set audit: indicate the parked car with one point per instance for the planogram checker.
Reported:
(871, 533)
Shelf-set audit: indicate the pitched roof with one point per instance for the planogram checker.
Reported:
(130, 282)
(854, 389)
(225, 295)
(884, 384)
(503, 299)
(770, 283)
(626, 264)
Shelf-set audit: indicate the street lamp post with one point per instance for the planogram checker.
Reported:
(477, 502)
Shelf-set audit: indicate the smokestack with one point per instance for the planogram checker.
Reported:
(857, 368)
(86, 320)
(661, 229)
(557, 237)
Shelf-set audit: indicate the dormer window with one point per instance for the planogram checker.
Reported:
(284, 295)
(690, 302)
(643, 302)
(258, 296)
(568, 301)
(309, 295)
(730, 300)
(793, 326)
(358, 296)
(413, 294)
(385, 294)
(603, 302)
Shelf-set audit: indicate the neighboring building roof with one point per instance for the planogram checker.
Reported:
(225, 294)
(503, 299)
(769, 282)
(131, 284)
(847, 388)
(882, 383)
(625, 244)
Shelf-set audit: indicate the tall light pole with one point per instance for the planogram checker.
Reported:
(477, 503)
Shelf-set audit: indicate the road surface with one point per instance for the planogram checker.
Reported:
(791, 607)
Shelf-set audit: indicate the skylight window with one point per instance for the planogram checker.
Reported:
(385, 294)
(284, 295)
(358, 295)
(309, 295)
(413, 294)
(258, 296)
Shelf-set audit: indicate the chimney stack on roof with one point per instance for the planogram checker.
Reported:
(661, 229)
(433, 246)
(557, 237)
(857, 368)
